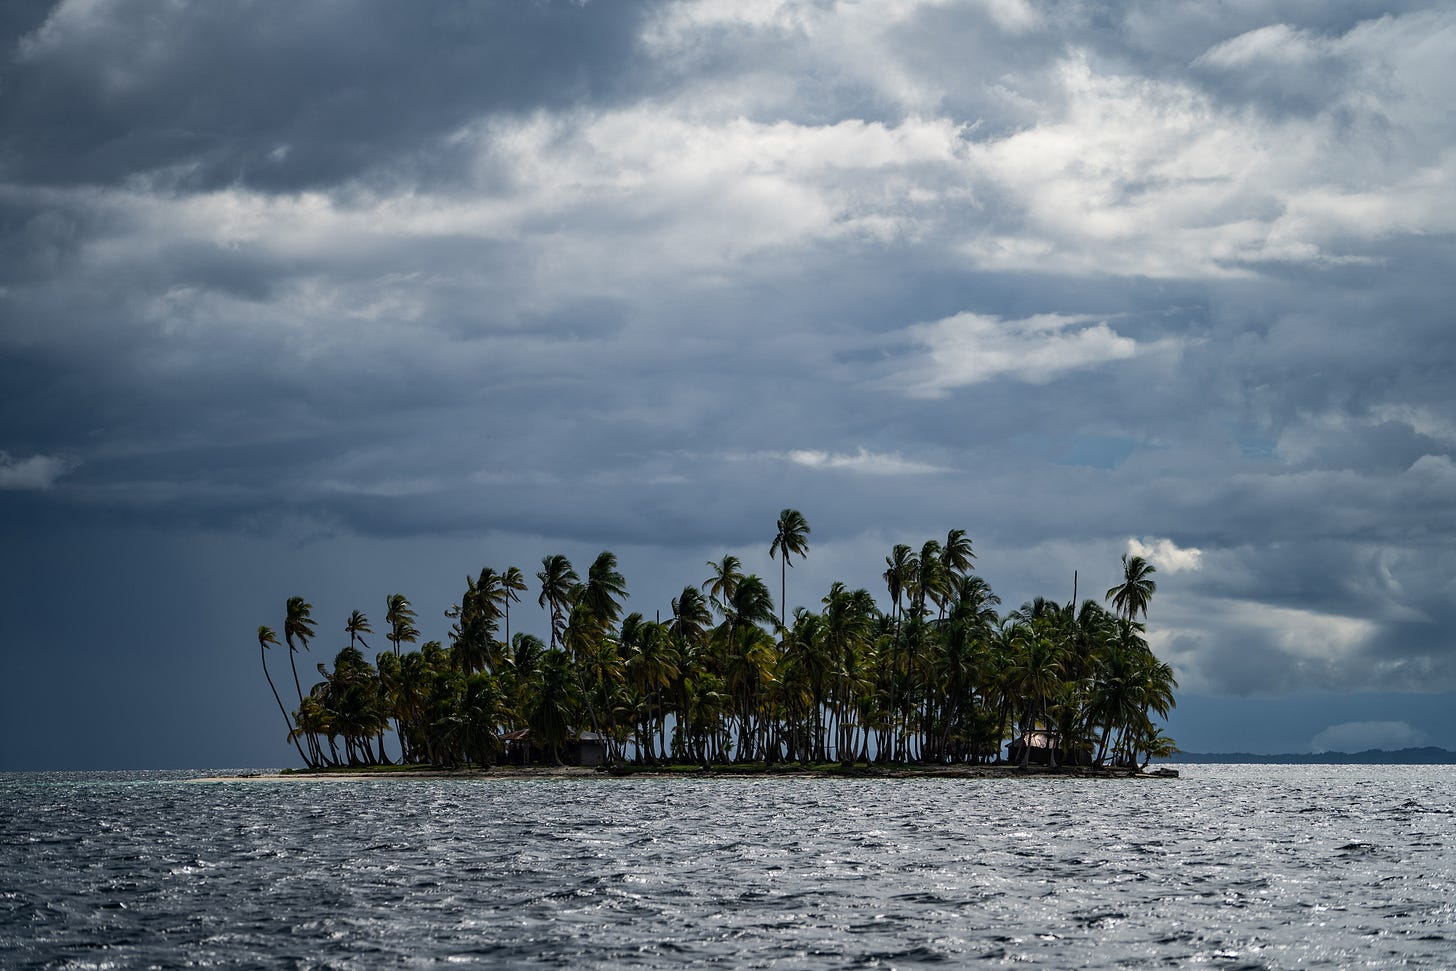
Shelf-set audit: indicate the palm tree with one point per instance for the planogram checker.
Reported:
(1033, 673)
(1131, 597)
(848, 622)
(267, 639)
(1155, 745)
(727, 574)
(512, 585)
(553, 709)
(298, 623)
(837, 683)
(558, 588)
(956, 555)
(654, 667)
(400, 617)
(356, 626)
(899, 570)
(690, 616)
(474, 643)
(752, 604)
(930, 578)
(792, 538)
(604, 586)
(351, 700)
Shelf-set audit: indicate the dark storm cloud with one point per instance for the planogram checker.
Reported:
(201, 95)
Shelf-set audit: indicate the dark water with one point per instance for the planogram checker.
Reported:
(1229, 867)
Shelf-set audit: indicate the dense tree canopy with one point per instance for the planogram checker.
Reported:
(941, 678)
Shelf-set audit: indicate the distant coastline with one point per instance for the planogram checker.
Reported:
(1427, 755)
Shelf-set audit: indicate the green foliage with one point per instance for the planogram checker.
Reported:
(941, 679)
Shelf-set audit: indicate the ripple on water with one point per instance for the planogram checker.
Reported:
(1252, 867)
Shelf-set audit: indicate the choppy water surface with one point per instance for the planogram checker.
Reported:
(1230, 866)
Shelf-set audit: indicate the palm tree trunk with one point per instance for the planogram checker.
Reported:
(281, 710)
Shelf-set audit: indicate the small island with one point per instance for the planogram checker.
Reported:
(940, 684)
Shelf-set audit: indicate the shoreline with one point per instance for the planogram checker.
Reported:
(516, 772)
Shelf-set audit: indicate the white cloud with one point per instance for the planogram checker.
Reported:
(1362, 736)
(1166, 555)
(970, 348)
(39, 472)
(610, 203)
(1141, 176)
(1244, 647)
(1275, 42)
(1304, 634)
(1421, 420)
(862, 461)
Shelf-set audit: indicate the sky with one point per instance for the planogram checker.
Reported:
(353, 298)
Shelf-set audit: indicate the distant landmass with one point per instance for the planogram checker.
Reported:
(1428, 755)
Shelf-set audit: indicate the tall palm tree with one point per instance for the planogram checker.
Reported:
(558, 588)
(400, 617)
(267, 639)
(1132, 595)
(298, 623)
(791, 539)
(512, 585)
(899, 569)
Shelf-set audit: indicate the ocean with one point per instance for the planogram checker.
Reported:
(1228, 867)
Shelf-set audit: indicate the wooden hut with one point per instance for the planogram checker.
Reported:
(1042, 745)
(587, 748)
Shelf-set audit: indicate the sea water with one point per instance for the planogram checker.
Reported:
(1228, 867)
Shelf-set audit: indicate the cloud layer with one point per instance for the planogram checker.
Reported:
(1059, 274)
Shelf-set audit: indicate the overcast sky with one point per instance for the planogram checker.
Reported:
(349, 298)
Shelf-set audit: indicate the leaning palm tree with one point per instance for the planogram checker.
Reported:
(267, 639)
(558, 588)
(1132, 595)
(299, 623)
(792, 538)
